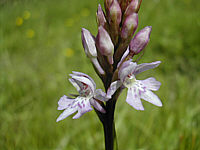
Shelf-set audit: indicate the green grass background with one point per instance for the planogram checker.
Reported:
(37, 56)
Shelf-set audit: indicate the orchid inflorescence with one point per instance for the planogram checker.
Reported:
(111, 53)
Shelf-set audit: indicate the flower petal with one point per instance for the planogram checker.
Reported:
(66, 113)
(78, 115)
(151, 98)
(145, 66)
(133, 99)
(84, 80)
(85, 75)
(113, 87)
(78, 85)
(151, 84)
(65, 102)
(97, 106)
(100, 95)
(83, 107)
(123, 57)
(126, 69)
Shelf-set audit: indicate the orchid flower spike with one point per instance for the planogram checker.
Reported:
(137, 89)
(88, 95)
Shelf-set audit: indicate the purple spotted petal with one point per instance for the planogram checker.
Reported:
(151, 98)
(97, 106)
(113, 88)
(65, 102)
(133, 99)
(145, 66)
(126, 69)
(83, 107)
(151, 84)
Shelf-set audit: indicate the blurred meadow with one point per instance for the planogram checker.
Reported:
(40, 44)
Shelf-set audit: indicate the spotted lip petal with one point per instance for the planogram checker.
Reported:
(70, 107)
(151, 98)
(151, 84)
(83, 107)
(139, 90)
(80, 104)
(133, 99)
(64, 102)
(66, 113)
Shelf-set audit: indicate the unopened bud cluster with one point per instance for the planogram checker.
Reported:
(116, 27)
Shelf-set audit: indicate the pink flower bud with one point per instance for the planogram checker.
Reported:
(129, 26)
(108, 3)
(140, 40)
(115, 13)
(104, 43)
(101, 20)
(88, 43)
(132, 7)
(123, 4)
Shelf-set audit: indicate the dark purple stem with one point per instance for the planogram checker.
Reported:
(108, 124)
(107, 120)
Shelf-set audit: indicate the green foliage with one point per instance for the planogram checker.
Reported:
(40, 44)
